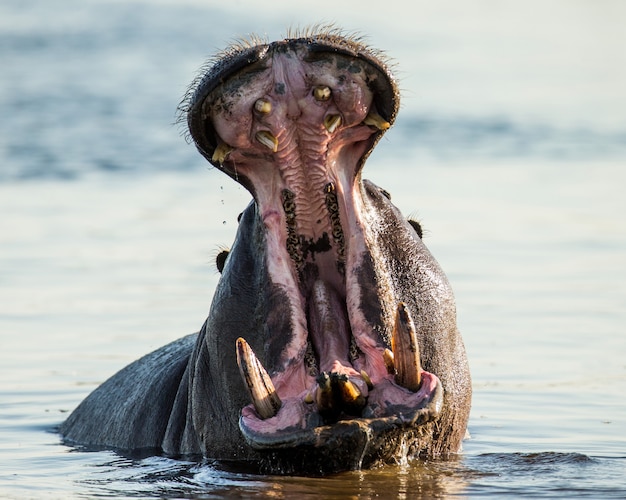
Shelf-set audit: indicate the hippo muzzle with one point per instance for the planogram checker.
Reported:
(331, 342)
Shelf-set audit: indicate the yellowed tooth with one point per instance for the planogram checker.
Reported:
(324, 394)
(389, 363)
(406, 352)
(321, 93)
(267, 139)
(331, 122)
(259, 384)
(375, 120)
(349, 391)
(221, 153)
(367, 379)
(352, 399)
(262, 106)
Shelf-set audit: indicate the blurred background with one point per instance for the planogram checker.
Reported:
(510, 148)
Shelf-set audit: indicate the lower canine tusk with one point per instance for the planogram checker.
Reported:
(406, 353)
(259, 384)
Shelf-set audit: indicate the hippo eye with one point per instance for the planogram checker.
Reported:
(321, 93)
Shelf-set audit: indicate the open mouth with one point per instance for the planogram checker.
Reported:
(293, 122)
(400, 395)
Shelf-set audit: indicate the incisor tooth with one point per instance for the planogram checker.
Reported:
(375, 120)
(331, 122)
(406, 353)
(324, 394)
(321, 93)
(267, 139)
(388, 359)
(262, 106)
(221, 153)
(367, 379)
(259, 384)
(335, 394)
(351, 397)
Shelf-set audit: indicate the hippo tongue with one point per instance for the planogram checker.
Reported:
(341, 388)
(328, 326)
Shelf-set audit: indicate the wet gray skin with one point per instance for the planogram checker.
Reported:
(331, 342)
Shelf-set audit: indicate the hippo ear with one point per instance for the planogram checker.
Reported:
(220, 260)
(417, 227)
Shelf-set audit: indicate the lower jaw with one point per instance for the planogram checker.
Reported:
(354, 444)
(401, 402)
(347, 444)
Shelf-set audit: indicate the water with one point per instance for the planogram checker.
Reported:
(510, 148)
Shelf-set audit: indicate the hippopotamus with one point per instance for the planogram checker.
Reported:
(331, 342)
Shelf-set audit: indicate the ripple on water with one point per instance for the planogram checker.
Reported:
(547, 475)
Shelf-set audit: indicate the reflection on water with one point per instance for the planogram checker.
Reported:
(157, 476)
(547, 474)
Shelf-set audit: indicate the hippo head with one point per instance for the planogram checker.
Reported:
(331, 342)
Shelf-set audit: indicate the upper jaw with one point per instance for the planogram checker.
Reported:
(246, 60)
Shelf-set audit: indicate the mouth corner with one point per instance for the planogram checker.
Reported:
(319, 47)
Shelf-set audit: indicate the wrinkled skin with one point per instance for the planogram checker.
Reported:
(326, 281)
